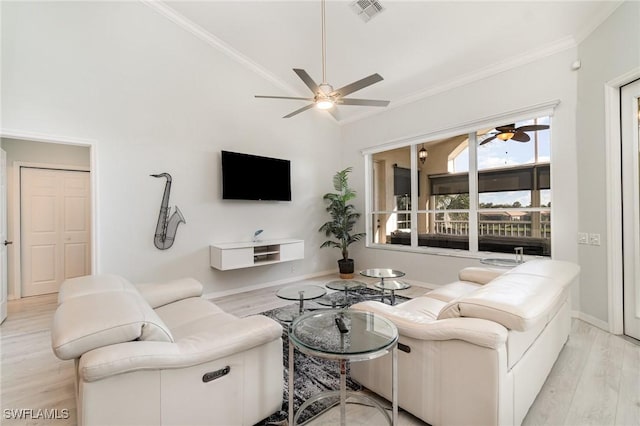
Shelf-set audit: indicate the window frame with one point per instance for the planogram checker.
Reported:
(413, 142)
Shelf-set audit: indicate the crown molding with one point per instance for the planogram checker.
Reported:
(480, 74)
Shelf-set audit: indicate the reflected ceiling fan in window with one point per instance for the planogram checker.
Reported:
(510, 131)
(324, 96)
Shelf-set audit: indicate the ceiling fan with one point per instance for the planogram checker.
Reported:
(510, 131)
(324, 96)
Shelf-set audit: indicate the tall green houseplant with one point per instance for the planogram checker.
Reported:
(343, 219)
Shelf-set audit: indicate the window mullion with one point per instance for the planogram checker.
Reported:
(368, 198)
(414, 196)
(473, 192)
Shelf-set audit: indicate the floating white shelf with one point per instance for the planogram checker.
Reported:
(238, 255)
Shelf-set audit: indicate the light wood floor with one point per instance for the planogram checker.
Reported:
(596, 380)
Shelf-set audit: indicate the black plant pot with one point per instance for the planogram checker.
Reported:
(346, 267)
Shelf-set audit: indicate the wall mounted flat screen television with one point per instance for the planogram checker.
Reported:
(252, 177)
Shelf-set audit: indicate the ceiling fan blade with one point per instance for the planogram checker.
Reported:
(357, 85)
(298, 111)
(521, 137)
(532, 128)
(489, 139)
(304, 76)
(364, 102)
(506, 128)
(284, 97)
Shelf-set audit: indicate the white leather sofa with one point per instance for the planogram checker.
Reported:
(478, 350)
(160, 354)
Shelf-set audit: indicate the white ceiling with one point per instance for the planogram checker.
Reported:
(419, 47)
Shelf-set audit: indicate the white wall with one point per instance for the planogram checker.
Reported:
(547, 79)
(156, 99)
(611, 51)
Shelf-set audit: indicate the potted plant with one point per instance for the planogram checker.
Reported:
(343, 219)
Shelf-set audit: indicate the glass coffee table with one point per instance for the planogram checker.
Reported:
(343, 335)
(299, 293)
(390, 285)
(346, 297)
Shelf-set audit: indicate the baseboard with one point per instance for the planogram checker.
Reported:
(259, 286)
(603, 325)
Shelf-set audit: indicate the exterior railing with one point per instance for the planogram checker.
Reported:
(494, 228)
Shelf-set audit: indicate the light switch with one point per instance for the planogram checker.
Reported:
(583, 238)
(594, 239)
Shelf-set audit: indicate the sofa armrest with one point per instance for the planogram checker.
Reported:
(478, 274)
(473, 330)
(160, 294)
(228, 339)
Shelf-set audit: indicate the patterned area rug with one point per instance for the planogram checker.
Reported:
(312, 374)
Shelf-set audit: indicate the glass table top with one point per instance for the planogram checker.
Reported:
(308, 292)
(368, 335)
(343, 285)
(501, 261)
(392, 285)
(382, 273)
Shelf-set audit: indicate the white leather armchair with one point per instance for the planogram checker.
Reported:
(159, 354)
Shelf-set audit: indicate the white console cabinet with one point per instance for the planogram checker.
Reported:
(247, 254)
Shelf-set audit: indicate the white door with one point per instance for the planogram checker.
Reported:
(3, 234)
(630, 130)
(55, 228)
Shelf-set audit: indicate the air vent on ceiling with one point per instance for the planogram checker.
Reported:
(366, 9)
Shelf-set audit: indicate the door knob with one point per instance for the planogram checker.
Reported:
(6, 243)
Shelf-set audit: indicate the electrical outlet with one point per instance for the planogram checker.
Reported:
(583, 238)
(594, 239)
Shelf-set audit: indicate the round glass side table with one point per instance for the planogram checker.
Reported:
(383, 285)
(391, 286)
(344, 335)
(346, 297)
(299, 293)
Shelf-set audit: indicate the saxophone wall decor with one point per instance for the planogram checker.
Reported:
(167, 226)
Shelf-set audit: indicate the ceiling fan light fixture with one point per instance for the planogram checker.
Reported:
(324, 104)
(505, 136)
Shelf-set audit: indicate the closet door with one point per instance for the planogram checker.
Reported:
(55, 228)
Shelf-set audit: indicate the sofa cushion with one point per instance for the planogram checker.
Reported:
(452, 291)
(192, 315)
(106, 318)
(520, 298)
(160, 294)
(479, 275)
(561, 271)
(90, 284)
(517, 301)
(423, 306)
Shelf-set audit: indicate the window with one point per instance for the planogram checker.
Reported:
(487, 190)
